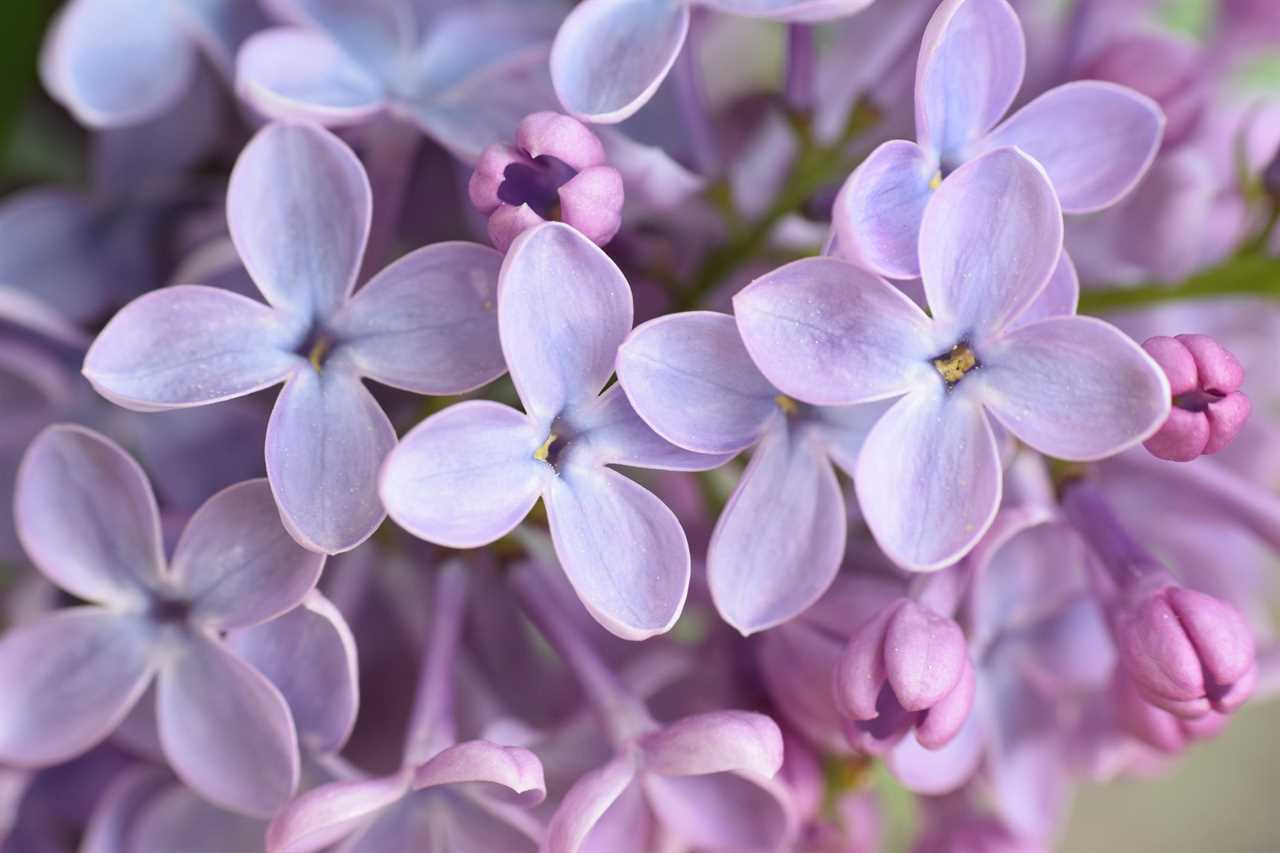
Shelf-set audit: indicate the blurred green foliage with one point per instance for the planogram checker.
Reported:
(22, 24)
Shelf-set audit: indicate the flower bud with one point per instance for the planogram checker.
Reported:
(906, 667)
(1155, 726)
(1208, 407)
(556, 170)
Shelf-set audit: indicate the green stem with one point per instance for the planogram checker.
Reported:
(1246, 275)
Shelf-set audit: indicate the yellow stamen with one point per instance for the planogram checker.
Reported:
(956, 363)
(319, 351)
(935, 181)
(544, 451)
(785, 403)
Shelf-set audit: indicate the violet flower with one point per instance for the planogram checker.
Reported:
(463, 73)
(469, 474)
(928, 476)
(1209, 409)
(88, 520)
(148, 61)
(299, 210)
(610, 56)
(1095, 140)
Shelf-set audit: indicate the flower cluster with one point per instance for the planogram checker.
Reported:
(532, 426)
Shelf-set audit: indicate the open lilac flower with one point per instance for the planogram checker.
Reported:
(1095, 140)
(928, 476)
(299, 210)
(464, 73)
(468, 475)
(779, 540)
(610, 56)
(149, 61)
(88, 519)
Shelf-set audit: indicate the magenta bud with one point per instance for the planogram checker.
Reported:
(1155, 726)
(556, 171)
(906, 667)
(1185, 651)
(1209, 409)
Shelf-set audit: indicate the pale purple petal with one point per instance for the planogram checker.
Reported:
(327, 814)
(188, 346)
(129, 793)
(928, 478)
(805, 11)
(610, 56)
(68, 680)
(563, 309)
(141, 70)
(469, 40)
(429, 322)
(1074, 387)
(87, 517)
(265, 574)
(970, 68)
(938, 771)
(691, 379)
(613, 434)
(465, 476)
(991, 237)
(780, 538)
(227, 732)
(479, 761)
(843, 430)
(878, 212)
(292, 73)
(586, 802)
(622, 549)
(828, 333)
(1059, 297)
(628, 826)
(309, 654)
(299, 208)
(715, 742)
(1096, 140)
(178, 819)
(326, 440)
(370, 32)
(723, 811)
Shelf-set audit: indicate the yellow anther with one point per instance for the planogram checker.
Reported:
(544, 451)
(319, 351)
(785, 403)
(956, 363)
(935, 181)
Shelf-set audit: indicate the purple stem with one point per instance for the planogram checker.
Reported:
(1125, 561)
(389, 156)
(801, 68)
(431, 726)
(692, 98)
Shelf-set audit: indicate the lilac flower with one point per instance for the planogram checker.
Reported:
(928, 476)
(149, 61)
(555, 171)
(1095, 140)
(465, 74)
(299, 211)
(610, 56)
(779, 541)
(468, 475)
(1209, 409)
(88, 520)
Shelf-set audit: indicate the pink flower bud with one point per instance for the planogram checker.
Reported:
(1209, 409)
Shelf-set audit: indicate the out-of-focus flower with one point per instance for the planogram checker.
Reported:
(1209, 409)
(556, 170)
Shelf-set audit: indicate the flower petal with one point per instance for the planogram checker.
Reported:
(68, 680)
(309, 654)
(226, 731)
(238, 564)
(879, 209)
(970, 68)
(1096, 140)
(622, 549)
(830, 334)
(780, 538)
(586, 803)
(723, 811)
(143, 69)
(1074, 387)
(611, 433)
(479, 761)
(87, 517)
(299, 208)
(804, 11)
(428, 323)
(329, 813)
(934, 772)
(292, 73)
(188, 346)
(991, 238)
(691, 379)
(715, 742)
(465, 476)
(1059, 297)
(178, 819)
(563, 310)
(610, 56)
(928, 479)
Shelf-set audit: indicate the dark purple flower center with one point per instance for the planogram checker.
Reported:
(1197, 401)
(169, 611)
(317, 346)
(536, 183)
(954, 364)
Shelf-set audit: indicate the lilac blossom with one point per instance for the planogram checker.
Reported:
(928, 476)
(1209, 409)
(299, 210)
(463, 73)
(1095, 140)
(468, 475)
(88, 519)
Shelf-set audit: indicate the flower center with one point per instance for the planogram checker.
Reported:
(537, 184)
(317, 346)
(785, 403)
(169, 611)
(955, 363)
(936, 180)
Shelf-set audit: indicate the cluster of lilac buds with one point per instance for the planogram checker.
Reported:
(630, 426)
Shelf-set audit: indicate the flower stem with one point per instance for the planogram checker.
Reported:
(431, 725)
(1246, 275)
(801, 69)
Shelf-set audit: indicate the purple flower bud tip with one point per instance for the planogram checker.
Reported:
(1209, 409)
(1155, 726)
(555, 171)
(1185, 651)
(906, 667)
